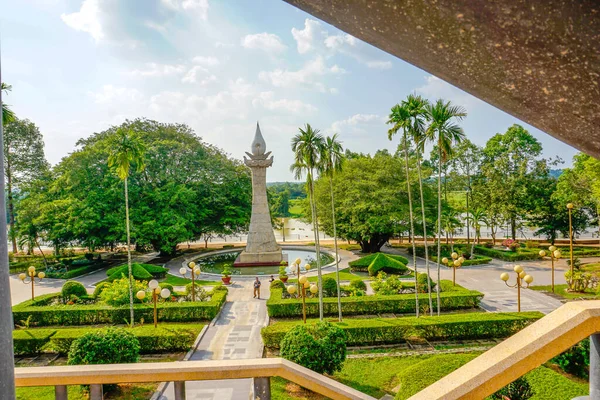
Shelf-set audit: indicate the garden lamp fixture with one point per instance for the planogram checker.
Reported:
(456, 262)
(554, 254)
(31, 274)
(156, 291)
(521, 277)
(195, 271)
(303, 286)
(570, 208)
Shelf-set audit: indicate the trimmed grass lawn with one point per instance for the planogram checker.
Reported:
(561, 290)
(296, 208)
(378, 376)
(181, 281)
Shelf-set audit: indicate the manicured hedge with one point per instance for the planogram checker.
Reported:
(164, 338)
(69, 315)
(364, 305)
(373, 263)
(446, 251)
(140, 272)
(520, 255)
(475, 260)
(376, 331)
(31, 341)
(74, 272)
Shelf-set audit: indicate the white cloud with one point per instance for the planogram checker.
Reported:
(155, 70)
(355, 124)
(306, 38)
(266, 100)
(337, 41)
(111, 93)
(192, 76)
(268, 42)
(198, 6)
(206, 61)
(87, 19)
(308, 76)
(379, 64)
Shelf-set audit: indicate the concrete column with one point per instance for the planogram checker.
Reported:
(60, 393)
(594, 369)
(7, 361)
(179, 388)
(96, 392)
(262, 388)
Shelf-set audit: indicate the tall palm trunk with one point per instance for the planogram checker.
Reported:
(412, 226)
(129, 268)
(317, 242)
(439, 243)
(424, 231)
(337, 263)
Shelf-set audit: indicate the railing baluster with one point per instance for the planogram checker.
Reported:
(262, 388)
(60, 392)
(96, 392)
(179, 387)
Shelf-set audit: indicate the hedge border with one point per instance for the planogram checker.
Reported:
(377, 331)
(94, 314)
(523, 255)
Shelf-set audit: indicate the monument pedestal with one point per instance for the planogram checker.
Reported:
(265, 258)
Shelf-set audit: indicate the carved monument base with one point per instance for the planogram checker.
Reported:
(268, 258)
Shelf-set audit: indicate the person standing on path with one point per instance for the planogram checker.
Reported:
(257, 288)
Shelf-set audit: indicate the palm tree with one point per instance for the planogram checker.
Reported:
(443, 130)
(416, 107)
(7, 114)
(331, 158)
(127, 149)
(477, 216)
(400, 118)
(307, 147)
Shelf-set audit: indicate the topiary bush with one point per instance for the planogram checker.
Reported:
(385, 263)
(358, 284)
(329, 287)
(72, 288)
(99, 288)
(138, 272)
(110, 346)
(422, 282)
(320, 347)
(117, 292)
(277, 284)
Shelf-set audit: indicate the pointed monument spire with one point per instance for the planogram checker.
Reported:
(258, 144)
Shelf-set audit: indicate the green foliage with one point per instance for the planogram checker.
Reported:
(548, 384)
(277, 284)
(412, 379)
(378, 331)
(320, 347)
(386, 285)
(363, 263)
(385, 263)
(519, 255)
(329, 287)
(575, 360)
(520, 389)
(110, 346)
(369, 305)
(200, 293)
(71, 288)
(140, 272)
(43, 313)
(99, 288)
(117, 292)
(424, 282)
(163, 285)
(31, 341)
(358, 284)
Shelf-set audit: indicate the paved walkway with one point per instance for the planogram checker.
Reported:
(234, 335)
(20, 292)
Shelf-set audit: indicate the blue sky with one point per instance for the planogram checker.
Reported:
(79, 66)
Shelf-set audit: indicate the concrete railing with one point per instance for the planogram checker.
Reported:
(524, 351)
(261, 370)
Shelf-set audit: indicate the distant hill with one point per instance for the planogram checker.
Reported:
(297, 189)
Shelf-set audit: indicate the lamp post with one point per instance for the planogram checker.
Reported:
(195, 271)
(156, 291)
(457, 262)
(303, 284)
(554, 255)
(31, 274)
(570, 208)
(521, 277)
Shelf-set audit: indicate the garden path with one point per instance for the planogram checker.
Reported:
(20, 292)
(235, 334)
(498, 297)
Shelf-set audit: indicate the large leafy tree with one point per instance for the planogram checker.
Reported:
(444, 132)
(24, 161)
(307, 146)
(7, 114)
(331, 161)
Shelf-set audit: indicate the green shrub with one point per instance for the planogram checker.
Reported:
(576, 360)
(381, 259)
(373, 305)
(422, 280)
(520, 255)
(42, 313)
(320, 347)
(358, 284)
(378, 331)
(200, 293)
(517, 390)
(137, 271)
(277, 284)
(329, 287)
(72, 288)
(414, 378)
(99, 288)
(105, 346)
(386, 285)
(117, 292)
(31, 341)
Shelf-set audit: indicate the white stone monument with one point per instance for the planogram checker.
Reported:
(261, 247)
